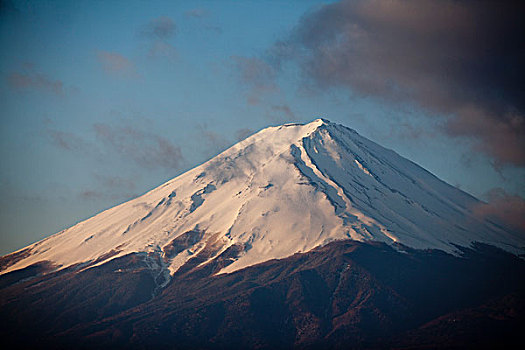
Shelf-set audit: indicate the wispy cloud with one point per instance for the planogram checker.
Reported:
(68, 141)
(284, 111)
(161, 28)
(197, 13)
(115, 64)
(202, 15)
(32, 80)
(159, 49)
(213, 141)
(159, 32)
(98, 195)
(257, 75)
(213, 28)
(461, 60)
(112, 182)
(109, 187)
(144, 148)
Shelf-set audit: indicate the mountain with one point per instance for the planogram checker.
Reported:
(284, 190)
(302, 235)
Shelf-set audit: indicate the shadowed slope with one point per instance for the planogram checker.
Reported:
(343, 294)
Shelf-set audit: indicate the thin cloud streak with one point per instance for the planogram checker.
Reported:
(36, 81)
(68, 141)
(109, 188)
(197, 13)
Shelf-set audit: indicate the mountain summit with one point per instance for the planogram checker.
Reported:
(305, 236)
(281, 191)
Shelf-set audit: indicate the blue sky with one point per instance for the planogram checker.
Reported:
(101, 101)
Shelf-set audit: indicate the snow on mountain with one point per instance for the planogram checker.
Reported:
(283, 190)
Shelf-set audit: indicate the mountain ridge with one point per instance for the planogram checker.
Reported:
(283, 190)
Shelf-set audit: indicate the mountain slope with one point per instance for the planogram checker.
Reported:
(301, 236)
(346, 294)
(284, 190)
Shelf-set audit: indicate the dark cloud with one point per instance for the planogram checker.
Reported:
(461, 60)
(33, 80)
(161, 28)
(504, 208)
(116, 64)
(145, 149)
(257, 75)
(500, 135)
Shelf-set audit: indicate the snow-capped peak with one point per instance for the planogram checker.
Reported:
(283, 190)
